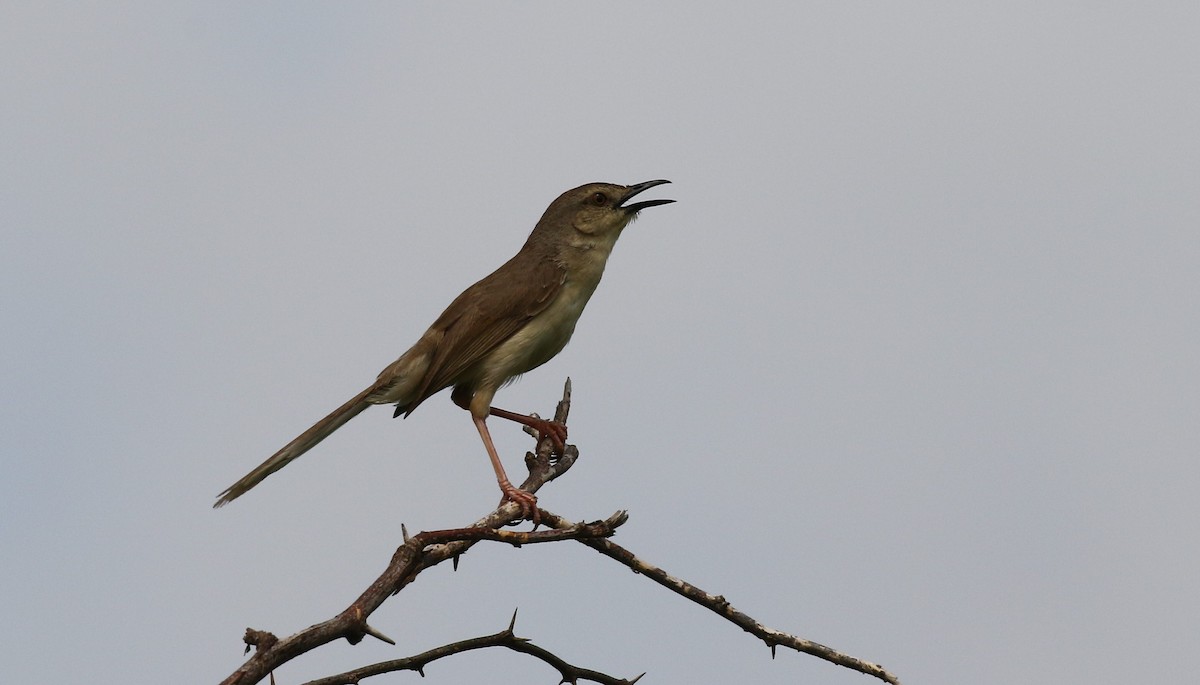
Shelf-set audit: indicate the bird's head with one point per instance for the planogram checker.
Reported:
(597, 211)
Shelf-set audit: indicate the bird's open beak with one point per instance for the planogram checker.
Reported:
(639, 206)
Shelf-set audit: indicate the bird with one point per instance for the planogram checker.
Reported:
(509, 322)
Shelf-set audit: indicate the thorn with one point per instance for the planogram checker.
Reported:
(404, 532)
(637, 678)
(513, 623)
(772, 650)
(378, 635)
(454, 561)
(421, 670)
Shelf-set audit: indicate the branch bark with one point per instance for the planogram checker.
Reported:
(428, 549)
(414, 556)
(505, 638)
(720, 606)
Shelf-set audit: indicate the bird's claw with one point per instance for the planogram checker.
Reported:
(527, 501)
(555, 430)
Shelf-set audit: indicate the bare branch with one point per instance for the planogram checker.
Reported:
(720, 606)
(427, 549)
(352, 624)
(601, 529)
(418, 553)
(505, 638)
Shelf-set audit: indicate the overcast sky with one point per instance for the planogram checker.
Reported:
(910, 369)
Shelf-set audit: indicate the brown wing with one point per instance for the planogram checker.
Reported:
(484, 316)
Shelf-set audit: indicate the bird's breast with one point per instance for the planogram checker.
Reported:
(546, 334)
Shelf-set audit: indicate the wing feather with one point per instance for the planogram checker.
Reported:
(484, 316)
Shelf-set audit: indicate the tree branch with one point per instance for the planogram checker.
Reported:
(352, 624)
(505, 638)
(428, 549)
(416, 554)
(720, 606)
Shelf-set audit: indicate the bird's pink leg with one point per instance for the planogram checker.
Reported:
(527, 501)
(557, 432)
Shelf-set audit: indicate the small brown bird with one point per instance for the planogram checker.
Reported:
(514, 320)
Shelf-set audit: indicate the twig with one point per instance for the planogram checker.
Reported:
(352, 624)
(427, 549)
(504, 638)
(720, 606)
(415, 555)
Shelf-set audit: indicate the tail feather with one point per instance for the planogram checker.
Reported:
(303, 443)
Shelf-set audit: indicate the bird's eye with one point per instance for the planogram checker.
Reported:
(599, 199)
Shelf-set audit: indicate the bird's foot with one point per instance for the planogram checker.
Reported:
(556, 431)
(527, 501)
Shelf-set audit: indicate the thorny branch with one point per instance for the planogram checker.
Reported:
(505, 638)
(723, 608)
(428, 549)
(414, 556)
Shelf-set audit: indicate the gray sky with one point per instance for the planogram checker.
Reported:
(910, 369)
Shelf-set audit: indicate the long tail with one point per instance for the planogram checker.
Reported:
(303, 443)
